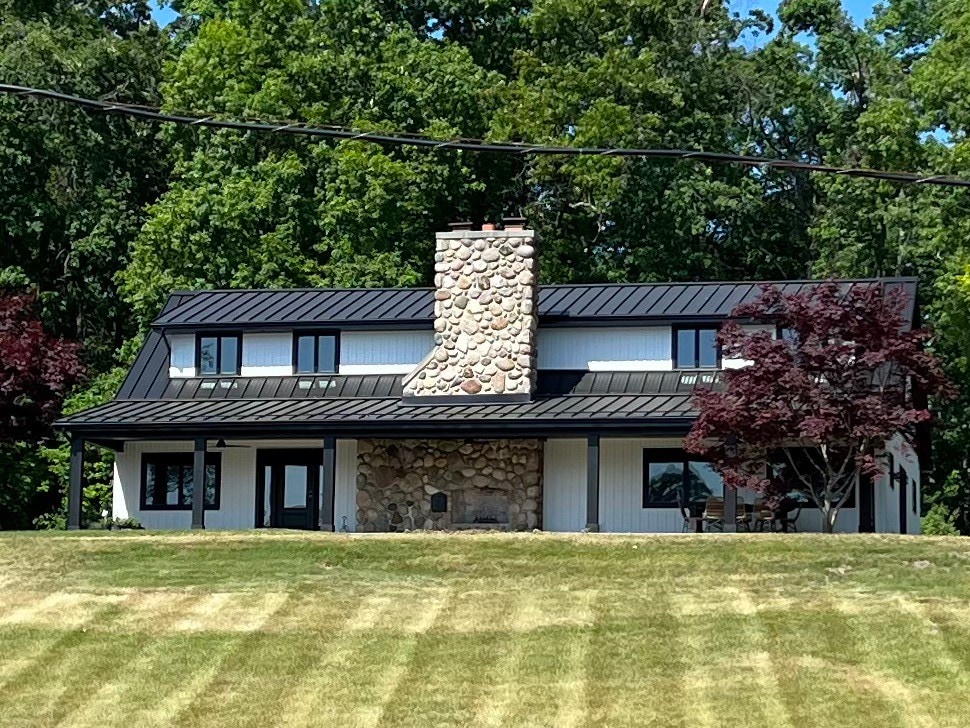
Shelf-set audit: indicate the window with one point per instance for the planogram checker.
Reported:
(166, 481)
(315, 353)
(670, 479)
(219, 354)
(696, 348)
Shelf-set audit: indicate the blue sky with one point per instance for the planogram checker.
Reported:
(858, 9)
(163, 16)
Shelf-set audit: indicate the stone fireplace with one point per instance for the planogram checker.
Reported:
(405, 485)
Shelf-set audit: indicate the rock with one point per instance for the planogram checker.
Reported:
(471, 386)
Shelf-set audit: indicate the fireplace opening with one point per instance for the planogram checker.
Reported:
(484, 506)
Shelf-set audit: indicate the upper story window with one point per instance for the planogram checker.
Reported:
(218, 354)
(315, 353)
(696, 348)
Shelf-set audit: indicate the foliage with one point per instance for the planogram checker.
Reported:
(37, 370)
(98, 462)
(938, 522)
(838, 379)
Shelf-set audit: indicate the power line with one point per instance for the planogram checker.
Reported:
(153, 113)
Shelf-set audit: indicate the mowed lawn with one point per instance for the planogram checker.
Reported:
(483, 630)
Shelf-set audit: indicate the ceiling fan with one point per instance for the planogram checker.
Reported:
(221, 445)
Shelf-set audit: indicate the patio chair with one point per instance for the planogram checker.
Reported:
(763, 516)
(685, 514)
(743, 516)
(789, 523)
(714, 513)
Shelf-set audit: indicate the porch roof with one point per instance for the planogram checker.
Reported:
(570, 402)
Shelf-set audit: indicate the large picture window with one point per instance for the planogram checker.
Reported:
(315, 353)
(696, 348)
(671, 479)
(167, 481)
(219, 354)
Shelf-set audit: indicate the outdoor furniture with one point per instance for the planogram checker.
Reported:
(714, 513)
(763, 516)
(692, 513)
(744, 516)
(685, 514)
(788, 521)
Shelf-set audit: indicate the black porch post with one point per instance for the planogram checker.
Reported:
(76, 484)
(867, 505)
(593, 483)
(198, 487)
(902, 483)
(328, 483)
(730, 509)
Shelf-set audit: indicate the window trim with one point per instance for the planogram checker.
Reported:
(180, 459)
(674, 353)
(316, 334)
(667, 455)
(218, 336)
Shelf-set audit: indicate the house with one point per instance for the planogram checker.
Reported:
(486, 402)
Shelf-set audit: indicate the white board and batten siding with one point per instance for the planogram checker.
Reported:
(887, 497)
(237, 495)
(267, 355)
(617, 348)
(383, 352)
(621, 487)
(621, 490)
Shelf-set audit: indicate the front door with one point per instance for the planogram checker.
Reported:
(288, 488)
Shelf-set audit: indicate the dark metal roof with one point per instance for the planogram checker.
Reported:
(618, 401)
(414, 306)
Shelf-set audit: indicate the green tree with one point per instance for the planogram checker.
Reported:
(258, 211)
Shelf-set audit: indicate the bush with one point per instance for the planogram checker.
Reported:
(938, 522)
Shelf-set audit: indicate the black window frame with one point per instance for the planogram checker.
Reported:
(218, 336)
(674, 346)
(180, 460)
(316, 334)
(668, 455)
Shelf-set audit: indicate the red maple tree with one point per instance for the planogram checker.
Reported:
(36, 370)
(833, 375)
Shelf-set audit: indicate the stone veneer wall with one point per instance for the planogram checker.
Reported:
(485, 316)
(396, 479)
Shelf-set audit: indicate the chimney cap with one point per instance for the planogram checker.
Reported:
(461, 225)
(513, 223)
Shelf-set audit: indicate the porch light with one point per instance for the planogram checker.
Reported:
(731, 446)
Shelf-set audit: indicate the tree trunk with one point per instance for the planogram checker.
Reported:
(829, 516)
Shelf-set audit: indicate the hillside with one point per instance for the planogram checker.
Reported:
(299, 630)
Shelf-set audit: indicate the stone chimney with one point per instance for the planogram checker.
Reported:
(485, 316)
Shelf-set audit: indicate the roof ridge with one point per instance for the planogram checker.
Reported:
(603, 284)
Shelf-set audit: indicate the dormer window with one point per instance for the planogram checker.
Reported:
(218, 354)
(315, 353)
(696, 348)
